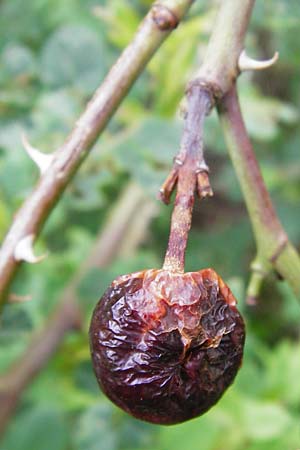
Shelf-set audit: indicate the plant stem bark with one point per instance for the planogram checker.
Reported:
(273, 247)
(218, 74)
(214, 78)
(220, 65)
(162, 18)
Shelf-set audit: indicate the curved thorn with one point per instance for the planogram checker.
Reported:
(24, 251)
(42, 160)
(247, 63)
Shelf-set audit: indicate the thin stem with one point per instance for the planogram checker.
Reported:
(287, 264)
(273, 247)
(257, 198)
(162, 18)
(181, 219)
(215, 77)
(190, 164)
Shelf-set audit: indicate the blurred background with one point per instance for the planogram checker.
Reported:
(53, 54)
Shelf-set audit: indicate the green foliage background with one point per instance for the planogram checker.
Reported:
(53, 54)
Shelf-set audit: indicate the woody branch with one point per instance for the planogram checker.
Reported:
(58, 169)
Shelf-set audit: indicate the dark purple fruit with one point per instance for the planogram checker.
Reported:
(165, 346)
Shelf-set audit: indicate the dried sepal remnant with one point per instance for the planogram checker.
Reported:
(165, 346)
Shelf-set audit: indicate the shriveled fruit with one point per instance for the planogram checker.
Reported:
(166, 345)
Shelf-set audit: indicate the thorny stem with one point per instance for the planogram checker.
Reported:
(273, 247)
(218, 74)
(162, 18)
(219, 68)
(189, 172)
(215, 77)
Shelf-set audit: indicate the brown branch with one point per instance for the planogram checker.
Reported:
(162, 18)
(130, 212)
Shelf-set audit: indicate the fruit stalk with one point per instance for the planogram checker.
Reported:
(189, 173)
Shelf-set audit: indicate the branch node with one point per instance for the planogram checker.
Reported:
(254, 288)
(259, 267)
(260, 270)
(279, 250)
(24, 251)
(247, 63)
(42, 160)
(164, 18)
(212, 89)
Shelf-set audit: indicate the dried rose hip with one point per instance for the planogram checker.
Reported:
(166, 345)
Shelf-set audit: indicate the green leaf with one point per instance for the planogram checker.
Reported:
(122, 20)
(16, 61)
(263, 115)
(193, 435)
(54, 112)
(283, 366)
(94, 428)
(40, 428)
(147, 151)
(264, 420)
(74, 55)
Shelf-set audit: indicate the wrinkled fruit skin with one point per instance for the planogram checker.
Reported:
(166, 346)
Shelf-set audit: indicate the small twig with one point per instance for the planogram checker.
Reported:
(162, 18)
(274, 250)
(67, 315)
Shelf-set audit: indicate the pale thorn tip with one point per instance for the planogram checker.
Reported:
(247, 63)
(24, 251)
(42, 160)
